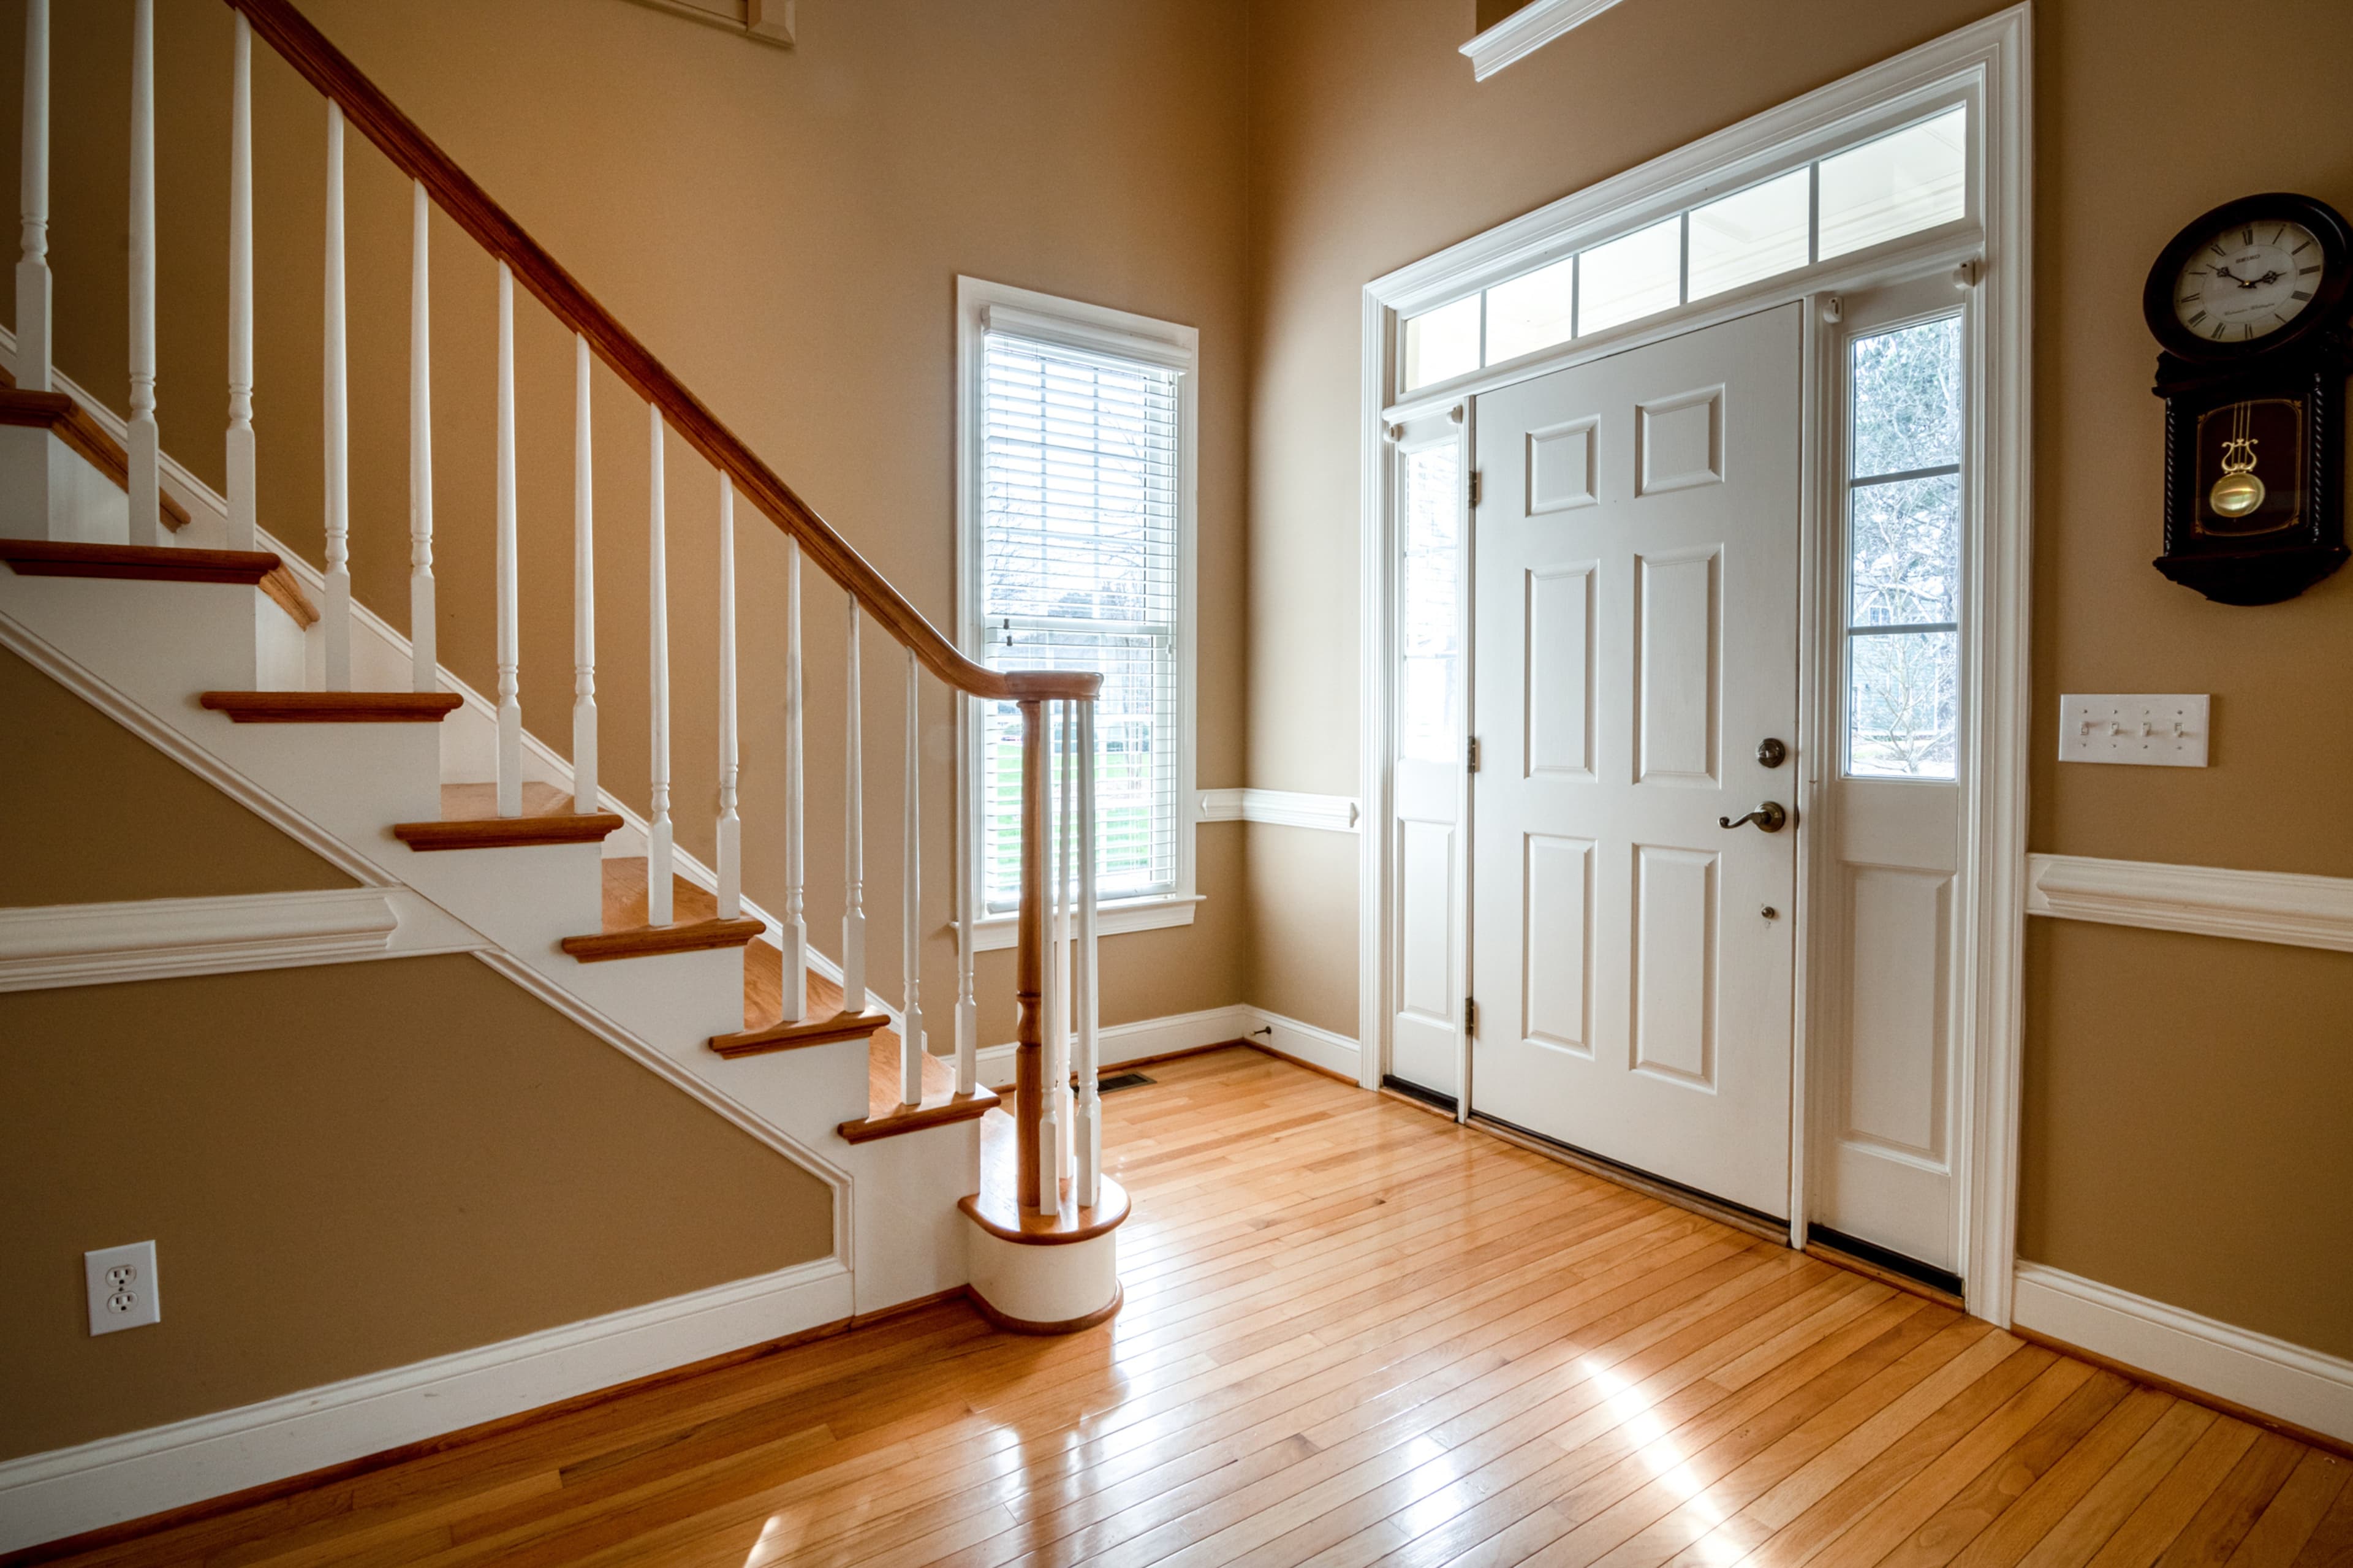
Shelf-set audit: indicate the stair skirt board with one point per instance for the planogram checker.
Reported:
(47, 1497)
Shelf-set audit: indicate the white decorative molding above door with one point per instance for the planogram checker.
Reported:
(1526, 30)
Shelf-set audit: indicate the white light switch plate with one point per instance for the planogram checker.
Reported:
(121, 1283)
(2152, 731)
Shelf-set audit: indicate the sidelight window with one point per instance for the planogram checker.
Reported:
(1903, 551)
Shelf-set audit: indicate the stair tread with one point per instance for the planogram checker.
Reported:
(157, 563)
(333, 707)
(163, 564)
(695, 917)
(886, 1118)
(470, 820)
(998, 1205)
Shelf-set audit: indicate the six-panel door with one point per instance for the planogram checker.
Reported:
(1635, 607)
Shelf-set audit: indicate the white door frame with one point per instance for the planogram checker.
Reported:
(1987, 63)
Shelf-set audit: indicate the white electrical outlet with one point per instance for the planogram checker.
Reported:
(2152, 731)
(122, 1284)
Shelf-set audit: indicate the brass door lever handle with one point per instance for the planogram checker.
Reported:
(1770, 817)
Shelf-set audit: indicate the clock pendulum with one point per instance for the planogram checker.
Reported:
(2239, 491)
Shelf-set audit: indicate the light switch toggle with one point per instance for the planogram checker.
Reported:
(2163, 731)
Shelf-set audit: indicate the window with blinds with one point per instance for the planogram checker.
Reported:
(1078, 510)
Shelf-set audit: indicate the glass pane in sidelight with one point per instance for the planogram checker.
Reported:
(1532, 312)
(1441, 344)
(1638, 275)
(1899, 185)
(1902, 708)
(1751, 234)
(1907, 398)
(1429, 603)
(1905, 546)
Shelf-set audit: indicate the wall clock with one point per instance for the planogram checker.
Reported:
(2249, 304)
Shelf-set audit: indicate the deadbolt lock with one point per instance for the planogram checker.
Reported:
(1771, 752)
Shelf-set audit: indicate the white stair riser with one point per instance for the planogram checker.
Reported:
(47, 491)
(161, 643)
(526, 899)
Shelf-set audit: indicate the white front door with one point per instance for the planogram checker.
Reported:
(1428, 844)
(1636, 598)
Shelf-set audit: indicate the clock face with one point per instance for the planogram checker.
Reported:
(2248, 280)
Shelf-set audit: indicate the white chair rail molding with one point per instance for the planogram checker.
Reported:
(2284, 907)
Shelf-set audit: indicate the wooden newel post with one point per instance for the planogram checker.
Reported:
(1029, 943)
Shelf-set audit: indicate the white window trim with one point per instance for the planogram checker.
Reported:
(1047, 318)
(1988, 64)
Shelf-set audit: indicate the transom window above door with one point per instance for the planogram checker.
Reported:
(1900, 182)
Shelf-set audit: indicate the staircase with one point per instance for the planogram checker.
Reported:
(167, 600)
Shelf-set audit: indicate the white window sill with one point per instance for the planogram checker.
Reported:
(1135, 914)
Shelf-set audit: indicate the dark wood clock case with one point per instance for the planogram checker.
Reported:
(2297, 536)
(2288, 389)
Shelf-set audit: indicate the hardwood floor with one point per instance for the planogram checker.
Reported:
(1355, 1334)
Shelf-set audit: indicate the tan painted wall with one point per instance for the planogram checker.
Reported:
(784, 227)
(166, 833)
(1372, 147)
(1485, 14)
(344, 1169)
(2220, 1114)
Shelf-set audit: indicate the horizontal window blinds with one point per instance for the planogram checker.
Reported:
(1079, 552)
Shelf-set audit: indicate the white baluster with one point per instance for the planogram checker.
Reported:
(424, 620)
(853, 901)
(335, 615)
(139, 439)
(795, 920)
(911, 898)
(510, 656)
(658, 837)
(731, 828)
(1066, 847)
(967, 1010)
(241, 462)
(1089, 1120)
(33, 282)
(1055, 1070)
(584, 590)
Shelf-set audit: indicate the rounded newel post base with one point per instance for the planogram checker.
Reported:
(1032, 1273)
(1027, 1289)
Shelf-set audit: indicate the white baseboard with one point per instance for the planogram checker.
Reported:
(1305, 1042)
(2288, 1382)
(1192, 1031)
(44, 1497)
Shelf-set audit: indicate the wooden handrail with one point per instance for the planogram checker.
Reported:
(326, 68)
